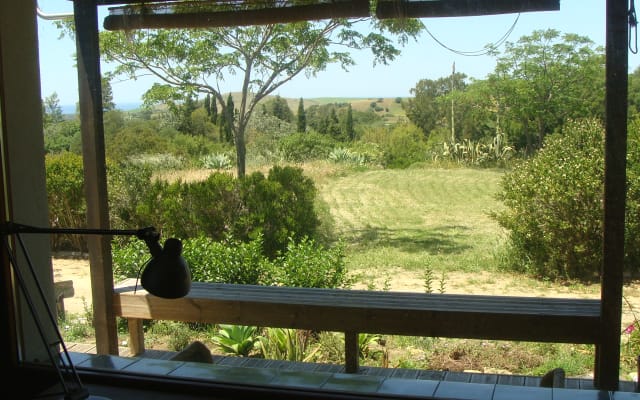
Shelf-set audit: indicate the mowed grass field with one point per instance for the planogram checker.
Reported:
(415, 220)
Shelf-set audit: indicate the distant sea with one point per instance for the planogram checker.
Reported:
(71, 108)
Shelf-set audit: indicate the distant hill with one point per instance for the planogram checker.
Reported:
(389, 108)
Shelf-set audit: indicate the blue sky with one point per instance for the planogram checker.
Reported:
(424, 59)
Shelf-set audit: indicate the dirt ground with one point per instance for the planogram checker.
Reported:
(77, 270)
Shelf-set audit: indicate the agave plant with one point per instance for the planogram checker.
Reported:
(236, 339)
(286, 344)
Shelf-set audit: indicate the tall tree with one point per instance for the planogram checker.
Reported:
(547, 78)
(107, 95)
(302, 117)
(430, 107)
(51, 110)
(227, 120)
(213, 112)
(279, 108)
(348, 124)
(207, 104)
(265, 56)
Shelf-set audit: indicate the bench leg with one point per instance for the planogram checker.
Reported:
(136, 336)
(351, 352)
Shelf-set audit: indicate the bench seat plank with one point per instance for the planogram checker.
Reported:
(385, 312)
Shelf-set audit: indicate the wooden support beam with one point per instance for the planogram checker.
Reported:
(617, 59)
(459, 8)
(145, 17)
(95, 174)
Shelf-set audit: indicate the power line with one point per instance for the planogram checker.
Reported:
(488, 48)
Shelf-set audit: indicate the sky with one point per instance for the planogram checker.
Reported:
(430, 57)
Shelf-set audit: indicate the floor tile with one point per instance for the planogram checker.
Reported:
(412, 387)
(464, 391)
(510, 392)
(625, 396)
(312, 380)
(107, 362)
(578, 394)
(256, 376)
(353, 383)
(155, 367)
(198, 370)
(77, 358)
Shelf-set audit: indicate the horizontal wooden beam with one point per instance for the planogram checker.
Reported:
(459, 8)
(128, 18)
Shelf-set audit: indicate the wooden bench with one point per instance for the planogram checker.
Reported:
(535, 319)
(62, 290)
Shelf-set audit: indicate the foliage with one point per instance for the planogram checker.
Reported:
(267, 56)
(227, 261)
(301, 118)
(286, 344)
(307, 264)
(232, 261)
(403, 146)
(62, 136)
(469, 152)
(539, 81)
(155, 162)
(51, 110)
(65, 196)
(344, 155)
(554, 205)
(301, 147)
(279, 108)
(75, 327)
(424, 109)
(217, 161)
(238, 340)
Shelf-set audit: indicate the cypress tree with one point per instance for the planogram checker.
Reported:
(302, 117)
(214, 111)
(349, 124)
(207, 104)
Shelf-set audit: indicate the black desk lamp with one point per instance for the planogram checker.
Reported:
(165, 275)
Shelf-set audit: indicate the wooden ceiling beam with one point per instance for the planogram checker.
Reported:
(128, 18)
(459, 8)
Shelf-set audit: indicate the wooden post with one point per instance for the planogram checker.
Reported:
(351, 352)
(136, 336)
(608, 354)
(95, 175)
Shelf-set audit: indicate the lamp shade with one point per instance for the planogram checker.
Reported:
(167, 275)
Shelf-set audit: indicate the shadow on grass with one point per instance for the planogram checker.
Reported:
(446, 239)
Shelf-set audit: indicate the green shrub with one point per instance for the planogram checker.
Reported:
(553, 205)
(404, 146)
(278, 207)
(128, 185)
(65, 195)
(307, 146)
(229, 261)
(307, 264)
(128, 258)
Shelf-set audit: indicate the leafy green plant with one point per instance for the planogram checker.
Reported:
(367, 342)
(554, 205)
(306, 146)
(307, 264)
(239, 340)
(65, 196)
(217, 161)
(286, 344)
(74, 327)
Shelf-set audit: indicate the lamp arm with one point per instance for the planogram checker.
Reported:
(149, 234)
